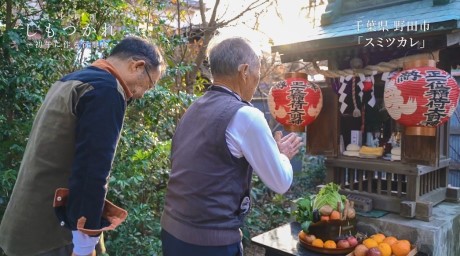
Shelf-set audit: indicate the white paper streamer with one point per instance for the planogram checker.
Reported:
(343, 95)
(385, 76)
(372, 101)
(361, 86)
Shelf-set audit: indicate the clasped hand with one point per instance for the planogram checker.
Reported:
(288, 145)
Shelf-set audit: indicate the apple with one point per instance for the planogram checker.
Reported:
(373, 252)
(352, 241)
(343, 244)
(360, 250)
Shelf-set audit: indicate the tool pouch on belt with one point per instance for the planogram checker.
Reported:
(112, 215)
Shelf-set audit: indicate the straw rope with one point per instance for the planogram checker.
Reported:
(380, 67)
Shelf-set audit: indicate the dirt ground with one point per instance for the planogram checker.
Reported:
(253, 250)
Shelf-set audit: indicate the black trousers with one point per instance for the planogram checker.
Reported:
(175, 247)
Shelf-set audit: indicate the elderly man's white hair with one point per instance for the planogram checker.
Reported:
(227, 54)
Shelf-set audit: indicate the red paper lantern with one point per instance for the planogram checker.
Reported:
(295, 102)
(421, 97)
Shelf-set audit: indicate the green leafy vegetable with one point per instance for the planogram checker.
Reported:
(329, 195)
(305, 225)
(304, 209)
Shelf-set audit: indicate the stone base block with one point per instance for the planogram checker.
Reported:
(424, 211)
(453, 194)
(407, 209)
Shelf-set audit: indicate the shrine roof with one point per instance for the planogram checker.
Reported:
(347, 26)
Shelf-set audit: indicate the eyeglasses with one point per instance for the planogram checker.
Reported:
(150, 78)
(146, 71)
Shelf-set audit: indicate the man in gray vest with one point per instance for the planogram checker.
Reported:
(219, 141)
(71, 146)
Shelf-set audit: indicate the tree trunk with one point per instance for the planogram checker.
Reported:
(191, 76)
(9, 12)
(9, 25)
(209, 30)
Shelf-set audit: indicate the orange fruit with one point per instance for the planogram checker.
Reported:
(390, 240)
(324, 217)
(370, 243)
(400, 248)
(330, 244)
(378, 237)
(335, 215)
(385, 249)
(318, 243)
(405, 242)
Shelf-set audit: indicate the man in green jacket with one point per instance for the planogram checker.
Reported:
(72, 145)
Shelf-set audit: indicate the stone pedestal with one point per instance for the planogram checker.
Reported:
(407, 209)
(453, 194)
(438, 237)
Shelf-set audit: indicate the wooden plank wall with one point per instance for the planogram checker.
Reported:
(454, 147)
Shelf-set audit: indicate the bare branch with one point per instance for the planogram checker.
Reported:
(252, 6)
(223, 12)
(212, 20)
(277, 11)
(202, 14)
(178, 17)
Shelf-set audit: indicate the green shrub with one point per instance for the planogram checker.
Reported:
(270, 210)
(141, 171)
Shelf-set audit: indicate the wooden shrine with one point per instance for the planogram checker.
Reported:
(412, 185)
